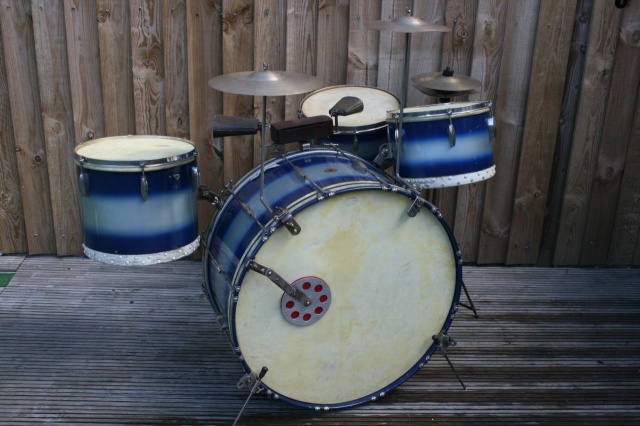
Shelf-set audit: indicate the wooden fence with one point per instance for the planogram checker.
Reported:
(563, 77)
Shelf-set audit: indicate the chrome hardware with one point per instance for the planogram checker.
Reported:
(83, 178)
(285, 217)
(195, 176)
(280, 282)
(415, 207)
(451, 129)
(144, 184)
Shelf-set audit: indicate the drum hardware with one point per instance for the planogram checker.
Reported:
(204, 193)
(267, 83)
(322, 194)
(290, 290)
(470, 306)
(442, 342)
(347, 106)
(144, 183)
(225, 125)
(301, 314)
(254, 382)
(83, 177)
(407, 25)
(384, 159)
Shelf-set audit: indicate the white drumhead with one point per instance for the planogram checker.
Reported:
(376, 104)
(134, 148)
(392, 281)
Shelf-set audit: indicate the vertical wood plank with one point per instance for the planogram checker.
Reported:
(148, 67)
(57, 122)
(587, 133)
(617, 127)
(510, 110)
(459, 58)
(114, 37)
(269, 41)
(204, 47)
(333, 36)
(237, 56)
(363, 45)
(575, 71)
(625, 237)
(553, 39)
(174, 36)
(12, 228)
(490, 28)
(302, 46)
(20, 62)
(392, 48)
(84, 69)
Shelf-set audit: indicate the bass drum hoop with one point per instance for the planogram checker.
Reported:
(258, 242)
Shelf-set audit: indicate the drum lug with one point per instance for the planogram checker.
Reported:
(83, 178)
(280, 282)
(451, 130)
(144, 184)
(491, 124)
(195, 176)
(384, 159)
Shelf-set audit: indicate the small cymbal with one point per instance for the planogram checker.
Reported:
(445, 83)
(406, 24)
(265, 83)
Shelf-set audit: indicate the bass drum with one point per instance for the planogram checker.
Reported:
(382, 282)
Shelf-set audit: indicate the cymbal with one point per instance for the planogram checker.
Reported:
(265, 83)
(443, 84)
(406, 24)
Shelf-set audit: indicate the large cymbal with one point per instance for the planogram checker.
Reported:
(265, 83)
(443, 84)
(406, 24)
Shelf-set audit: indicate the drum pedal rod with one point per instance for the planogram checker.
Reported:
(280, 282)
(442, 343)
(470, 306)
(255, 388)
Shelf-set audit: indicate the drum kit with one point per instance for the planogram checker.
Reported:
(367, 273)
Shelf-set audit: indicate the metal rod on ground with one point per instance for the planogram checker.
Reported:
(254, 388)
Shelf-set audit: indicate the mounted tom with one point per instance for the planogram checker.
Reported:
(139, 196)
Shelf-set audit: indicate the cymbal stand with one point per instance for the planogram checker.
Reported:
(403, 103)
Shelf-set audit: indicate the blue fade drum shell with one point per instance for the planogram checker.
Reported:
(395, 280)
(362, 133)
(139, 196)
(427, 157)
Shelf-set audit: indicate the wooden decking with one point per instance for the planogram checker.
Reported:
(85, 343)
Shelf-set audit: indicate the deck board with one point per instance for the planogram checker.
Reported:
(86, 343)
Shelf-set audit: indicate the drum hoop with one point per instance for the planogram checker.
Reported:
(134, 165)
(255, 246)
(349, 130)
(444, 112)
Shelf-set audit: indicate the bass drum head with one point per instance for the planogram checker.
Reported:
(394, 280)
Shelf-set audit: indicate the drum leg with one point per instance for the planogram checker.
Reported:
(254, 389)
(442, 343)
(470, 306)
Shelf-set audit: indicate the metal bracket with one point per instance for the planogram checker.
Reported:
(280, 282)
(285, 217)
(442, 342)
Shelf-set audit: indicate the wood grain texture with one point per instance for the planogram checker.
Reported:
(139, 345)
(114, 36)
(491, 23)
(148, 67)
(510, 112)
(553, 39)
(363, 45)
(84, 70)
(331, 57)
(587, 135)
(237, 56)
(12, 229)
(57, 117)
(204, 47)
(571, 98)
(616, 131)
(392, 49)
(302, 46)
(24, 98)
(174, 36)
(269, 41)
